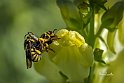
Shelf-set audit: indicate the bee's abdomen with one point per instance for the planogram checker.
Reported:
(36, 55)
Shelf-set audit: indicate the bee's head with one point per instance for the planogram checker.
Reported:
(30, 35)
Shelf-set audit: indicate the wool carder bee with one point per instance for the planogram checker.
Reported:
(49, 37)
(32, 53)
(35, 46)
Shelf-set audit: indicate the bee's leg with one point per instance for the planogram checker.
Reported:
(48, 48)
(51, 49)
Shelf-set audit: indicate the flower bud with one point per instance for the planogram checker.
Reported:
(113, 16)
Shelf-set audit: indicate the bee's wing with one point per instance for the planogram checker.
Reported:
(27, 47)
(28, 59)
(25, 44)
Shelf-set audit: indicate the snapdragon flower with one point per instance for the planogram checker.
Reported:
(71, 61)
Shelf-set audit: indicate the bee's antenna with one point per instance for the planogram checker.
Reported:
(54, 30)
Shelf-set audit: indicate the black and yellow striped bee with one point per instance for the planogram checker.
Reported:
(35, 46)
(49, 36)
(32, 54)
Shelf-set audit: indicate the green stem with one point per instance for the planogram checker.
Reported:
(91, 74)
(91, 39)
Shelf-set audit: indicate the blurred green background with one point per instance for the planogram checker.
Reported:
(17, 17)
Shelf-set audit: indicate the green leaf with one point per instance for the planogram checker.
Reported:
(98, 55)
(110, 41)
(70, 14)
(113, 16)
(121, 32)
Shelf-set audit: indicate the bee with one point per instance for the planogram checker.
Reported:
(32, 53)
(49, 36)
(35, 46)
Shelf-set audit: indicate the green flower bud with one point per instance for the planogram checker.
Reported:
(113, 16)
(70, 14)
(71, 61)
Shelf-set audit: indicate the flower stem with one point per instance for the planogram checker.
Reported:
(91, 37)
(91, 74)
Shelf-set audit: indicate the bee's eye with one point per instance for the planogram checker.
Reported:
(28, 37)
(43, 35)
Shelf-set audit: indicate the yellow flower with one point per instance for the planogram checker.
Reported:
(71, 61)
